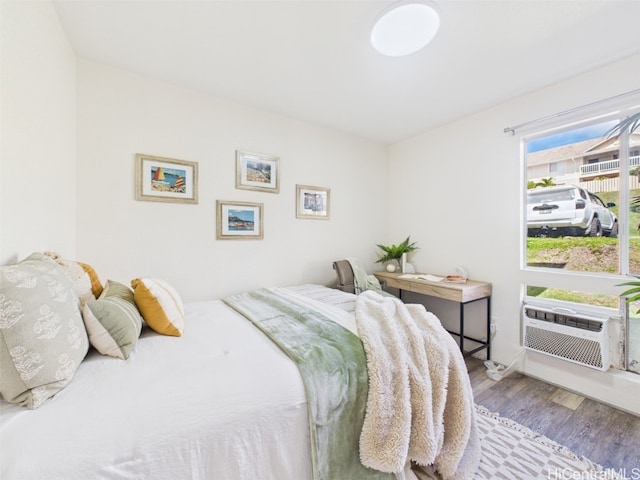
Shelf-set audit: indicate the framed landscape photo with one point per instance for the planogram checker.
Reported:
(160, 179)
(239, 220)
(255, 171)
(312, 202)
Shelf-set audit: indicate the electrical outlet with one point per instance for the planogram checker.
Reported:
(492, 328)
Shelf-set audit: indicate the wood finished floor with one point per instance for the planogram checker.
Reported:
(599, 432)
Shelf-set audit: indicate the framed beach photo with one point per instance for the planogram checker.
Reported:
(239, 220)
(160, 179)
(312, 202)
(255, 171)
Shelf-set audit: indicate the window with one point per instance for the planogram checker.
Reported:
(585, 217)
(573, 217)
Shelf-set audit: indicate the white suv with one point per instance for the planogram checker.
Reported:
(568, 210)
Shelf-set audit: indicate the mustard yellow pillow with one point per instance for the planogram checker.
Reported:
(160, 305)
(96, 285)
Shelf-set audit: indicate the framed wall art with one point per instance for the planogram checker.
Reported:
(239, 220)
(312, 202)
(255, 171)
(160, 179)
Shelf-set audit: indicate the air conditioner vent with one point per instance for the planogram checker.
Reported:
(566, 334)
(580, 350)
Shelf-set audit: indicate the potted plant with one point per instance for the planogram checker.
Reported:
(395, 252)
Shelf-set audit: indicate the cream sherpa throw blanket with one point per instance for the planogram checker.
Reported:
(420, 405)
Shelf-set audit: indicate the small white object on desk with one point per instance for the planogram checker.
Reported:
(462, 271)
(422, 276)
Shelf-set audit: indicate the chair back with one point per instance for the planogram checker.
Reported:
(344, 271)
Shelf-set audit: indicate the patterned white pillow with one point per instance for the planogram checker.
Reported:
(42, 336)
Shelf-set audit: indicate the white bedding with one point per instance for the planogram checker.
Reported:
(220, 402)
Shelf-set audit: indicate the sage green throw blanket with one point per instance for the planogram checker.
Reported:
(332, 363)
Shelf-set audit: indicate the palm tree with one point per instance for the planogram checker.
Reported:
(546, 182)
(631, 123)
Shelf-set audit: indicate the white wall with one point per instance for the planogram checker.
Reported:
(456, 190)
(121, 114)
(37, 141)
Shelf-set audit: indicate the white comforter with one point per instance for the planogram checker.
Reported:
(220, 402)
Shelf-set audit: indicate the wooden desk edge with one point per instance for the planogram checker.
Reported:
(461, 292)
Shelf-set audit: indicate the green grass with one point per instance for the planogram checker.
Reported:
(555, 252)
(573, 296)
(536, 246)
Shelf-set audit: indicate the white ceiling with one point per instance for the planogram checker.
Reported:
(312, 60)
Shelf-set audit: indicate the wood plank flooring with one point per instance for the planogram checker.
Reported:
(599, 432)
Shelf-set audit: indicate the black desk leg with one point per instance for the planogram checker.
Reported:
(483, 344)
(462, 327)
(489, 327)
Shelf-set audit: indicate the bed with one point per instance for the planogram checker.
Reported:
(221, 401)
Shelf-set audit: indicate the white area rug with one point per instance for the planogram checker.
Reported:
(511, 451)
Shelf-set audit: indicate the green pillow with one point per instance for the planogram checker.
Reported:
(113, 321)
(42, 337)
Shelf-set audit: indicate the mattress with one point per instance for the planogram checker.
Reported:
(219, 402)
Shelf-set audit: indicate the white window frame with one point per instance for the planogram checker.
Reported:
(553, 278)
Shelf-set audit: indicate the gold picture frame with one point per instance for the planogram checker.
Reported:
(256, 171)
(239, 220)
(162, 179)
(312, 202)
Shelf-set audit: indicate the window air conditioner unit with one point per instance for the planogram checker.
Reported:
(581, 338)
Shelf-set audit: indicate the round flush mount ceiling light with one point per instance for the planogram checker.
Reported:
(405, 27)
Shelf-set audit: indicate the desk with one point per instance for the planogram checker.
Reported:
(462, 293)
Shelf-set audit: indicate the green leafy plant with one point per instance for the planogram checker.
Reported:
(394, 252)
(631, 294)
